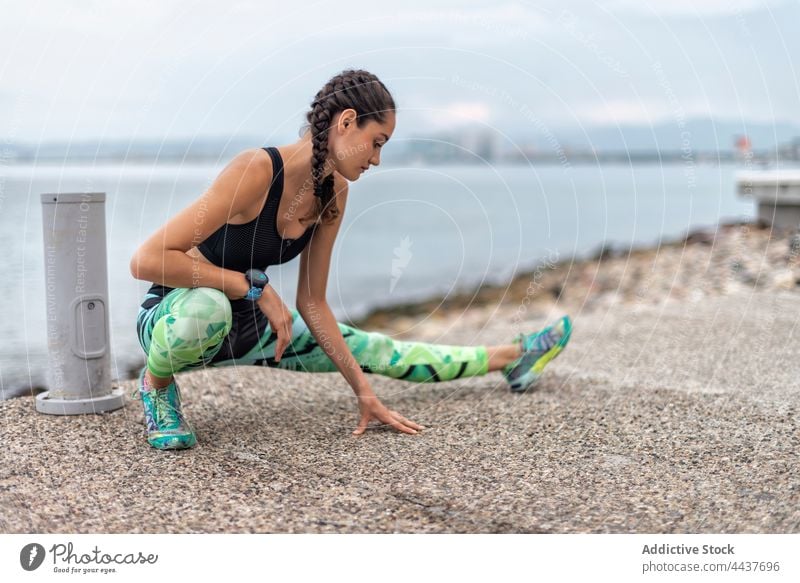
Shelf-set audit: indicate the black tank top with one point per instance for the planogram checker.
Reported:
(256, 244)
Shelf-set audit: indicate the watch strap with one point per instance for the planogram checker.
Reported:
(253, 294)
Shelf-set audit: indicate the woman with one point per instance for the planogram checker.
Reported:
(212, 304)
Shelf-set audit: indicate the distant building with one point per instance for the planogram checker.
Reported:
(481, 143)
(744, 149)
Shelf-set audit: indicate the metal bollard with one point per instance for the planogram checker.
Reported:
(76, 283)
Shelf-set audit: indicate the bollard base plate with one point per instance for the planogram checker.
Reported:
(112, 401)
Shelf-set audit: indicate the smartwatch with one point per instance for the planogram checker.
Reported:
(258, 279)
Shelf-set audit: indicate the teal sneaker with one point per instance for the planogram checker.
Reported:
(167, 428)
(538, 349)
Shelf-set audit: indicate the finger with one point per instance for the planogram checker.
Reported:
(411, 423)
(362, 425)
(407, 421)
(399, 426)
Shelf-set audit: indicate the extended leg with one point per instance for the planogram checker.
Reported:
(376, 353)
(500, 356)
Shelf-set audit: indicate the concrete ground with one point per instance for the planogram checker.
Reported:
(670, 419)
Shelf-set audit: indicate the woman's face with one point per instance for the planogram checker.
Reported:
(356, 148)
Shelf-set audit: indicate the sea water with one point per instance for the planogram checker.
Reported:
(408, 233)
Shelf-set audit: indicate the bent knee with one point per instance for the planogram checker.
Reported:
(202, 312)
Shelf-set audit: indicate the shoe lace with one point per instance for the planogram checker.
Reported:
(165, 412)
(544, 340)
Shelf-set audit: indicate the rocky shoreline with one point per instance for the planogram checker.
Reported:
(730, 258)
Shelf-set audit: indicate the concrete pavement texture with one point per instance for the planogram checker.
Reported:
(672, 418)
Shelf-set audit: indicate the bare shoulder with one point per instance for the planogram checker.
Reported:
(238, 189)
(250, 173)
(255, 163)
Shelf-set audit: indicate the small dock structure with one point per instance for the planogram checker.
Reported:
(776, 193)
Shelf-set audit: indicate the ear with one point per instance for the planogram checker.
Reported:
(346, 121)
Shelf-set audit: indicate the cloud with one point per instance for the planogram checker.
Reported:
(623, 112)
(153, 67)
(694, 7)
(456, 114)
(503, 21)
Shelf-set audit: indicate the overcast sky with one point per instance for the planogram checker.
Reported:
(79, 69)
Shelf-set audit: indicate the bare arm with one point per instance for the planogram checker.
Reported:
(312, 303)
(315, 311)
(162, 258)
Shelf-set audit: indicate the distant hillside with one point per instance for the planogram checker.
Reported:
(172, 150)
(701, 135)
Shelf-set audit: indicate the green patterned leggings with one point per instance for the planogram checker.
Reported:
(190, 328)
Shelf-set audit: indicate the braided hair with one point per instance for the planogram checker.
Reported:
(351, 89)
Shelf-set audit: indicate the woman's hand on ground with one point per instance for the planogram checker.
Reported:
(371, 408)
(279, 317)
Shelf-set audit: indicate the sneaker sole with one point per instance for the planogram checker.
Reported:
(172, 441)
